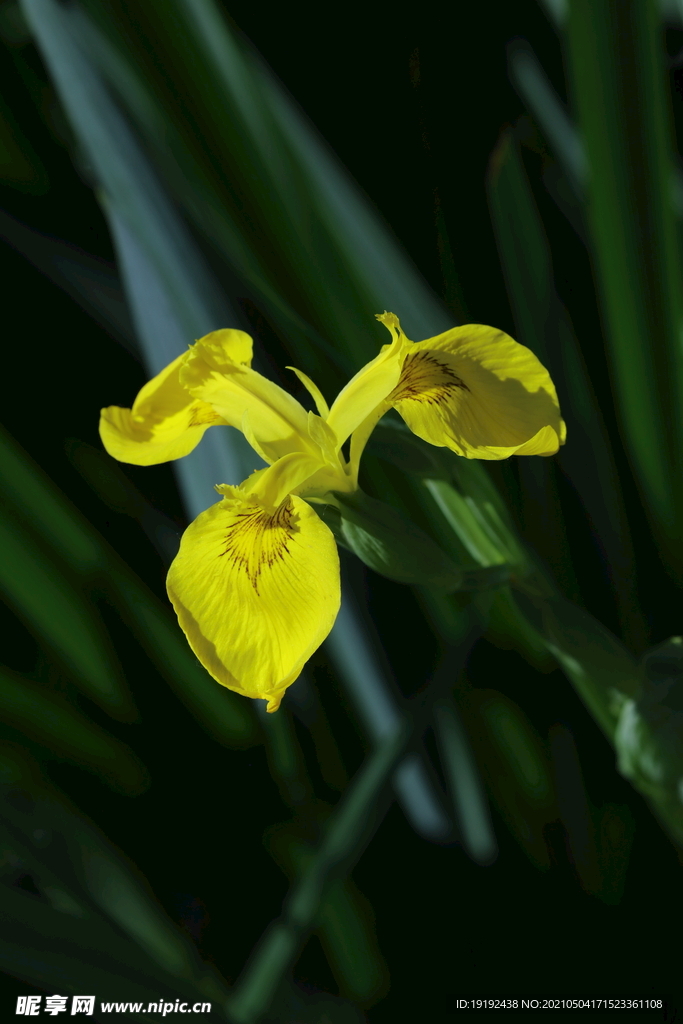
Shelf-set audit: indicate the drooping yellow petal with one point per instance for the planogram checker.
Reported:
(478, 392)
(165, 423)
(226, 347)
(371, 385)
(545, 442)
(276, 420)
(256, 590)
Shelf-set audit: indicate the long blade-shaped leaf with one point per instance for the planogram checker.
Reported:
(619, 84)
(92, 920)
(60, 525)
(61, 616)
(544, 326)
(54, 724)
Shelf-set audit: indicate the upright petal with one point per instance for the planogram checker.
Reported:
(277, 421)
(478, 392)
(314, 391)
(256, 590)
(269, 487)
(361, 436)
(165, 423)
(371, 385)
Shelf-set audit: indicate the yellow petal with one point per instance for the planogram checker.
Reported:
(269, 487)
(371, 385)
(361, 435)
(256, 591)
(478, 392)
(277, 422)
(314, 391)
(545, 442)
(226, 347)
(165, 423)
(325, 438)
(297, 473)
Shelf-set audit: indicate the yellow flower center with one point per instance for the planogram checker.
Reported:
(258, 538)
(425, 379)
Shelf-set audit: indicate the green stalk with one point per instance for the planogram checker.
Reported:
(359, 813)
(349, 830)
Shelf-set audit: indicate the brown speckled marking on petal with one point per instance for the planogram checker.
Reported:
(425, 379)
(259, 538)
(201, 413)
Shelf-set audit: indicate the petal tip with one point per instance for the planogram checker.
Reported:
(388, 319)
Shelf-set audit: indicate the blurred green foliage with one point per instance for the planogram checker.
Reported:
(211, 176)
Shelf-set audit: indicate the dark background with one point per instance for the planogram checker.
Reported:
(413, 101)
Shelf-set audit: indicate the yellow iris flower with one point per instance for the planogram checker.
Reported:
(255, 583)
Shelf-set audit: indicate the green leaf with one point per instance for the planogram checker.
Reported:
(462, 515)
(598, 839)
(19, 164)
(388, 542)
(617, 61)
(516, 737)
(348, 830)
(509, 629)
(464, 782)
(531, 82)
(461, 489)
(458, 497)
(226, 716)
(577, 814)
(345, 923)
(464, 503)
(649, 733)
(544, 326)
(515, 767)
(306, 704)
(60, 616)
(93, 924)
(602, 670)
(54, 724)
(118, 492)
(616, 829)
(355, 654)
(91, 282)
(40, 503)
